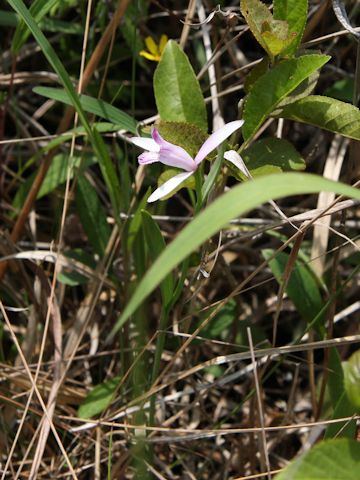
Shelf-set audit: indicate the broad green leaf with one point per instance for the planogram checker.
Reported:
(302, 288)
(275, 85)
(92, 215)
(91, 105)
(273, 35)
(156, 245)
(341, 90)
(352, 379)
(273, 153)
(327, 113)
(98, 399)
(294, 12)
(330, 460)
(177, 91)
(38, 9)
(217, 215)
(55, 176)
(185, 135)
(305, 89)
(255, 73)
(220, 324)
(342, 408)
(336, 377)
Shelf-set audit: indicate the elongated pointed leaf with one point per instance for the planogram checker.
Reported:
(235, 202)
(177, 91)
(302, 287)
(331, 460)
(270, 89)
(38, 9)
(92, 105)
(327, 113)
(157, 245)
(92, 215)
(99, 398)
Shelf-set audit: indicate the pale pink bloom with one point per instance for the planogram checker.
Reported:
(159, 150)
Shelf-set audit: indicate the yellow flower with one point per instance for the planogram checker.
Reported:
(154, 50)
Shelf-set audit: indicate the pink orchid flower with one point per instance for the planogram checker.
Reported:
(159, 150)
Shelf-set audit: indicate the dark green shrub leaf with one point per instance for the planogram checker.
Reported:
(302, 287)
(92, 215)
(177, 91)
(274, 86)
(98, 399)
(272, 154)
(327, 113)
(352, 379)
(330, 460)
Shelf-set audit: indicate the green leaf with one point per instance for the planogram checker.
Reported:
(220, 324)
(133, 226)
(92, 215)
(330, 460)
(272, 153)
(187, 136)
(273, 35)
(177, 91)
(342, 90)
(232, 204)
(272, 87)
(342, 407)
(327, 113)
(336, 377)
(302, 287)
(294, 12)
(92, 105)
(352, 379)
(8, 19)
(98, 399)
(156, 245)
(38, 9)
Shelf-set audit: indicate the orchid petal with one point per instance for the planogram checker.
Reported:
(148, 157)
(173, 155)
(233, 157)
(168, 186)
(146, 144)
(216, 139)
